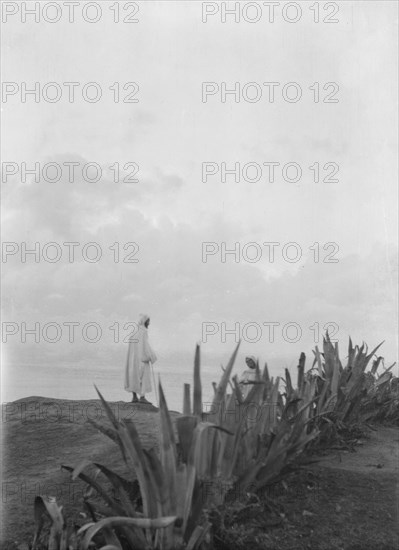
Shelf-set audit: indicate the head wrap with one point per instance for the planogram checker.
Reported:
(143, 318)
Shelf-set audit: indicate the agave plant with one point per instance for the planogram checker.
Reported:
(269, 442)
(202, 446)
(261, 446)
(381, 403)
(172, 485)
(214, 455)
(340, 390)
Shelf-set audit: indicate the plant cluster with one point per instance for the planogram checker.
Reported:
(211, 458)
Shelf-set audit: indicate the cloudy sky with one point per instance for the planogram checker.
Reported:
(170, 212)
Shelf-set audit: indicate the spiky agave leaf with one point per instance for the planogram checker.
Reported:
(330, 358)
(318, 361)
(237, 390)
(122, 487)
(89, 480)
(135, 454)
(200, 455)
(186, 400)
(301, 371)
(185, 477)
(265, 374)
(143, 523)
(110, 537)
(185, 428)
(323, 395)
(112, 433)
(373, 352)
(221, 389)
(167, 449)
(197, 398)
(288, 384)
(198, 536)
(222, 443)
(168, 461)
(112, 418)
(45, 505)
(109, 432)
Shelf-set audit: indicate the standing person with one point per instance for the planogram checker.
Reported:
(248, 375)
(138, 365)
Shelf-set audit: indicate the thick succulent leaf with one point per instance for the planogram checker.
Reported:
(185, 429)
(109, 432)
(318, 361)
(134, 451)
(185, 477)
(221, 389)
(265, 374)
(186, 400)
(80, 467)
(111, 538)
(121, 486)
(112, 418)
(301, 372)
(198, 536)
(168, 456)
(200, 455)
(115, 506)
(143, 523)
(237, 390)
(373, 352)
(43, 505)
(288, 383)
(197, 397)
(231, 453)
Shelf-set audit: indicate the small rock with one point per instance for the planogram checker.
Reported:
(307, 513)
(338, 508)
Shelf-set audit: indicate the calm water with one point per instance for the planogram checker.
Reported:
(72, 382)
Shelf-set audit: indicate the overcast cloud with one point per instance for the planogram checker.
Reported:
(171, 212)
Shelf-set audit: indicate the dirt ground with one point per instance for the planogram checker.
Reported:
(345, 500)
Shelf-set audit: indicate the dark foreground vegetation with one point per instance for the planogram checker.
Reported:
(243, 474)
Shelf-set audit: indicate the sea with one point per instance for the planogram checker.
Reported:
(76, 382)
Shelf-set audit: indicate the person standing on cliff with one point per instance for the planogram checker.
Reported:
(140, 357)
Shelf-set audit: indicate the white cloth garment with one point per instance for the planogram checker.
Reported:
(247, 376)
(139, 358)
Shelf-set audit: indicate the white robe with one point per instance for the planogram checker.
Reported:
(247, 376)
(139, 358)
